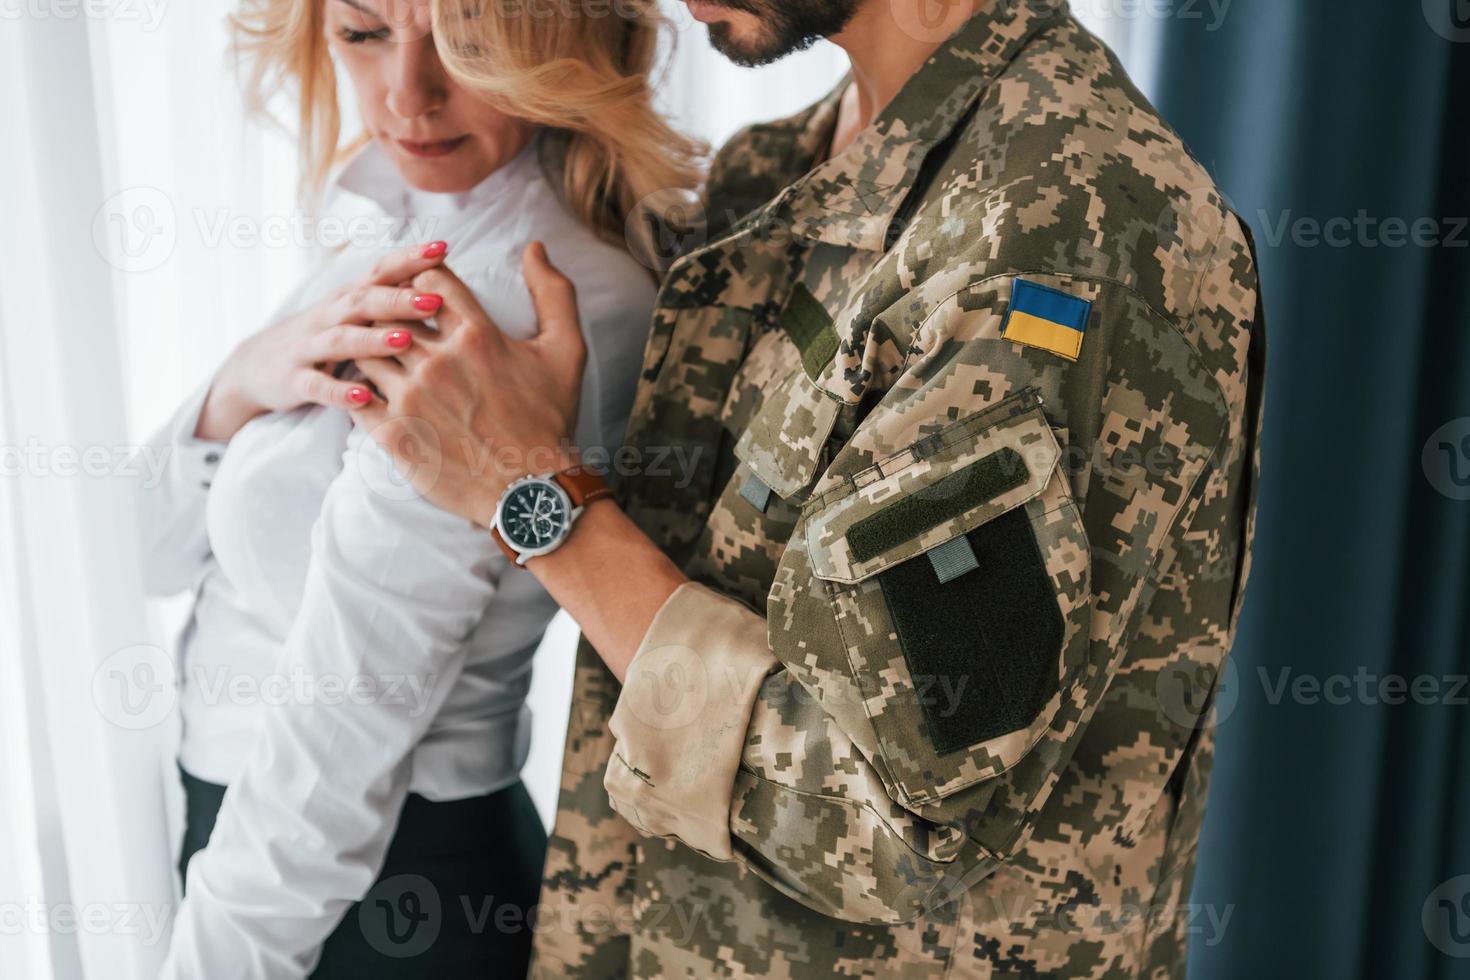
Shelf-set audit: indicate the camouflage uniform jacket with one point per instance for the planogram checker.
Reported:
(935, 703)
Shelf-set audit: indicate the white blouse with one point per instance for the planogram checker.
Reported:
(350, 642)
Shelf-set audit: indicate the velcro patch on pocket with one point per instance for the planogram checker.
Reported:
(932, 491)
(991, 636)
(946, 500)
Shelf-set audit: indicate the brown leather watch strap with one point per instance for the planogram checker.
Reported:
(510, 552)
(583, 485)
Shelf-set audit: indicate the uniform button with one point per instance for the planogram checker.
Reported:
(211, 458)
(204, 484)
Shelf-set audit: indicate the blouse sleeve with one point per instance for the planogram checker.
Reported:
(394, 588)
(174, 471)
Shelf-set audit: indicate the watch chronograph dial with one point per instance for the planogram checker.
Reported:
(533, 516)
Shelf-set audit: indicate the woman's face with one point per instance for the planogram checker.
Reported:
(441, 137)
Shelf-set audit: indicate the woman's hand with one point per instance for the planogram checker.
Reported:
(290, 363)
(469, 410)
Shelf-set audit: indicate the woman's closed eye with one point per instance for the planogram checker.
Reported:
(353, 36)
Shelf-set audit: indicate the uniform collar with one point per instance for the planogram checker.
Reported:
(851, 199)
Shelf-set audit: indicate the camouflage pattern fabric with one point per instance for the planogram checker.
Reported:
(838, 340)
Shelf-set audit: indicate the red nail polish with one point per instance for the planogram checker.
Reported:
(399, 338)
(427, 302)
(359, 396)
(435, 249)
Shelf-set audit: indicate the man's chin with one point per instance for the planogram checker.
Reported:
(754, 52)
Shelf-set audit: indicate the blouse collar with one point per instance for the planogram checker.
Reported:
(370, 175)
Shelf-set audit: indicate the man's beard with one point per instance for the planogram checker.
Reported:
(789, 26)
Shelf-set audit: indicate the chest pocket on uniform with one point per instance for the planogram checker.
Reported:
(783, 446)
(958, 572)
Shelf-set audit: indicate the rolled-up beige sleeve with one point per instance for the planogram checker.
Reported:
(681, 718)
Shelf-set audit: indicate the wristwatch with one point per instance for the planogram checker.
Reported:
(536, 513)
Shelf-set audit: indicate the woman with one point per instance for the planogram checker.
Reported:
(356, 663)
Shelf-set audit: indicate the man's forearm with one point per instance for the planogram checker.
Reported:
(612, 579)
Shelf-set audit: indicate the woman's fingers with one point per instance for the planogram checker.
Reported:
(460, 305)
(371, 415)
(420, 338)
(347, 342)
(320, 388)
(402, 265)
(366, 303)
(385, 374)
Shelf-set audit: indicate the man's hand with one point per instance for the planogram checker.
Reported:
(469, 410)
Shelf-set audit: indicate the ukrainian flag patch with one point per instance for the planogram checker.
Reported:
(1046, 318)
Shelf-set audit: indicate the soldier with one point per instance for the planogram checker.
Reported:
(917, 650)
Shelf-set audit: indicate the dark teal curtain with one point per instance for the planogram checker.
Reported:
(1331, 825)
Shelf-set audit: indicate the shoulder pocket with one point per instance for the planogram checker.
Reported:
(958, 572)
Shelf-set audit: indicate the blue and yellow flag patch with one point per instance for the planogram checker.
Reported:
(1046, 318)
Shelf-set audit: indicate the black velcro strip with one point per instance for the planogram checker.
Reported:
(966, 489)
(984, 649)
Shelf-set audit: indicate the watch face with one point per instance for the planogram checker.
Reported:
(533, 515)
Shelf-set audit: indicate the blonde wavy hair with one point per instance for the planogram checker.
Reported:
(585, 78)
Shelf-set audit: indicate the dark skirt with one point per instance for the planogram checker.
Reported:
(456, 897)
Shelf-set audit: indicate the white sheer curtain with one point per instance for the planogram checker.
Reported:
(148, 227)
(87, 851)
